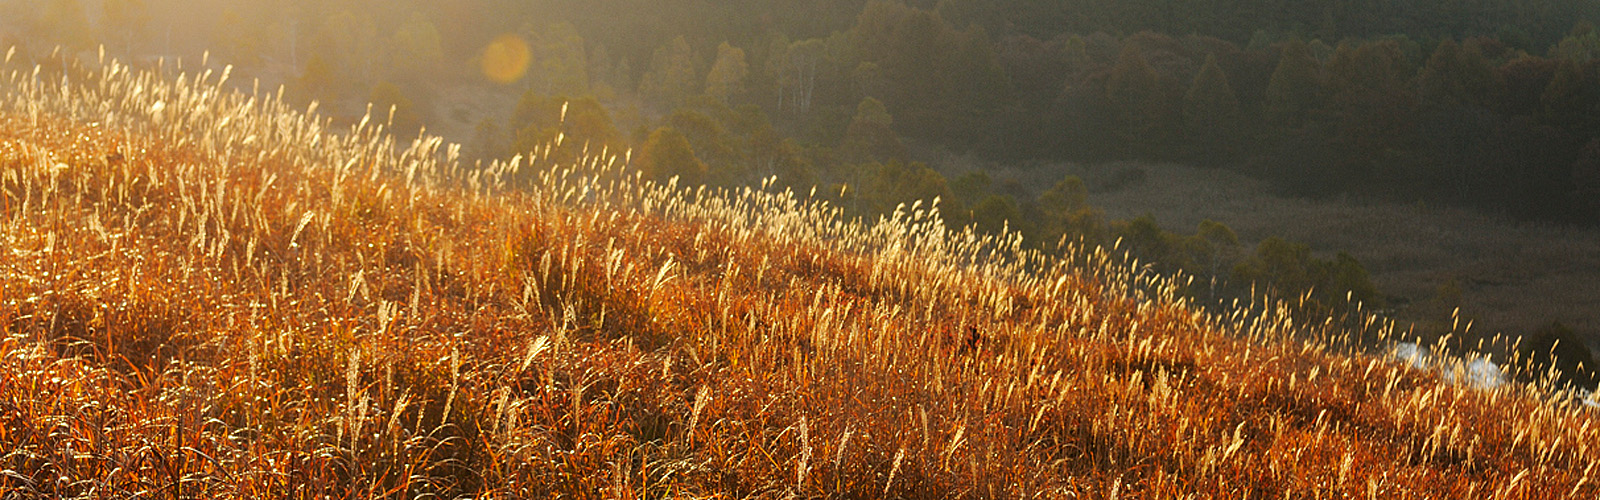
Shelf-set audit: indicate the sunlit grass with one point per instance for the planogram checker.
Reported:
(208, 294)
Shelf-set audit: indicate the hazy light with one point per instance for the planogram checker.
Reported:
(506, 59)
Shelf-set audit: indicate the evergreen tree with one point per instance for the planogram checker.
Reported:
(1211, 111)
(1372, 98)
(1145, 239)
(1295, 87)
(971, 187)
(1143, 111)
(1523, 82)
(1066, 196)
(1210, 101)
(776, 155)
(1361, 70)
(1075, 53)
(875, 28)
(1343, 277)
(1132, 83)
(918, 59)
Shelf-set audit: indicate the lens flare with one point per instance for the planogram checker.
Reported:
(506, 59)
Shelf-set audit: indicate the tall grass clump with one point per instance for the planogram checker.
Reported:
(207, 294)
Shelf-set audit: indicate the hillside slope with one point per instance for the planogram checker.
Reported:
(205, 294)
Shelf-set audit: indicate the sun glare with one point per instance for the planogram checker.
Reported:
(505, 59)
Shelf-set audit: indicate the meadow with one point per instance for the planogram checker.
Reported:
(1513, 275)
(207, 294)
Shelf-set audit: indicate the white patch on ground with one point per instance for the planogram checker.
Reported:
(1484, 374)
(1410, 353)
(1478, 373)
(1589, 398)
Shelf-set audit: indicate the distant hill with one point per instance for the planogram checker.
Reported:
(208, 294)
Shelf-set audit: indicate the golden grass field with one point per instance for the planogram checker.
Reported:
(206, 294)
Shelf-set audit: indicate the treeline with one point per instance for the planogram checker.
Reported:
(1460, 107)
(1471, 123)
(1490, 103)
(1530, 25)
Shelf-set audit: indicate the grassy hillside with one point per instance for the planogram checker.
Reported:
(208, 295)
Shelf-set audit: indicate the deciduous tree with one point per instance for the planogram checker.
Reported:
(560, 65)
(1456, 75)
(712, 143)
(797, 67)
(726, 79)
(896, 182)
(1570, 99)
(66, 23)
(667, 154)
(348, 41)
(1586, 182)
(869, 137)
(583, 125)
(416, 46)
(387, 98)
(125, 22)
(1066, 212)
(672, 77)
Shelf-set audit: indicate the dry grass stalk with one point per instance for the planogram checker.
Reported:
(186, 271)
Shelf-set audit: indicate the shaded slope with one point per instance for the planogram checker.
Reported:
(208, 295)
